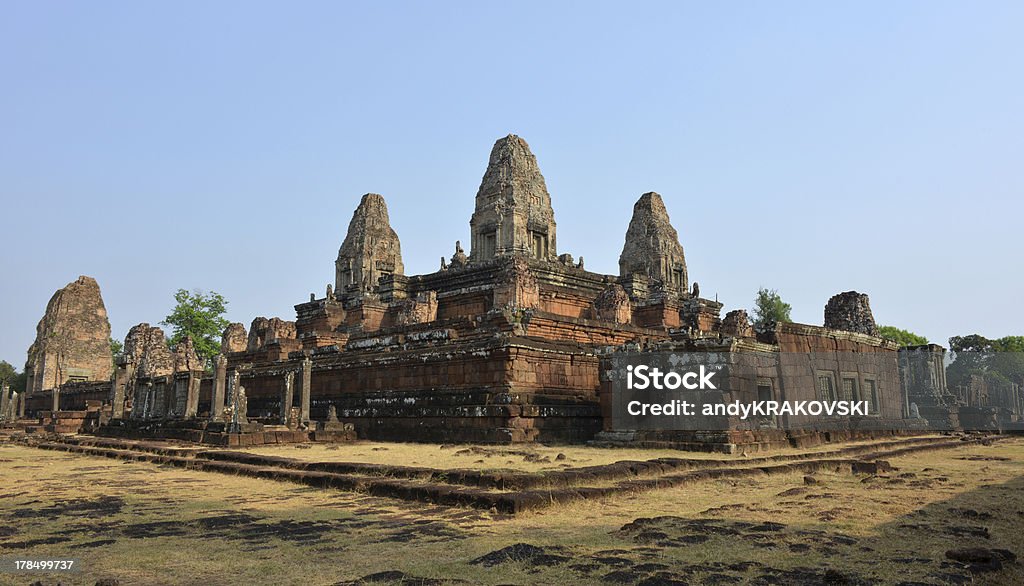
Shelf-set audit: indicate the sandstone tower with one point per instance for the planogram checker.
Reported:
(371, 249)
(72, 339)
(652, 246)
(513, 208)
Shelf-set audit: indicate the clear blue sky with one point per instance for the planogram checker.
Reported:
(812, 147)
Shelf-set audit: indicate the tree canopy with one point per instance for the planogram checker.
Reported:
(16, 380)
(200, 316)
(769, 308)
(999, 360)
(7, 372)
(901, 337)
(116, 348)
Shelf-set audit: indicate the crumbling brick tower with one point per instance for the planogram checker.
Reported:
(72, 339)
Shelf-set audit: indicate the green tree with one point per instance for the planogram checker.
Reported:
(1008, 358)
(8, 374)
(116, 348)
(201, 316)
(998, 360)
(1009, 344)
(20, 382)
(901, 337)
(769, 308)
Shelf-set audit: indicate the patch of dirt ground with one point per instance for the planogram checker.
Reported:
(940, 517)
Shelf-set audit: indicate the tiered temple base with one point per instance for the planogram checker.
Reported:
(211, 433)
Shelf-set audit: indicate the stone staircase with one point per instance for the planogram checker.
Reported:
(87, 420)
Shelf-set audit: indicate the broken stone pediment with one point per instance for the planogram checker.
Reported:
(185, 357)
(264, 331)
(146, 347)
(234, 339)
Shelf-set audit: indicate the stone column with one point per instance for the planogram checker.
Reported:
(236, 383)
(288, 397)
(139, 400)
(243, 405)
(117, 393)
(174, 399)
(21, 404)
(149, 394)
(4, 392)
(195, 378)
(234, 387)
(56, 400)
(12, 407)
(307, 376)
(219, 380)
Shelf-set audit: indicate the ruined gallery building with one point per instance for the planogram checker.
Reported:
(508, 341)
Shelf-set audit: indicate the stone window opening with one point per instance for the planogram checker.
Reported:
(764, 394)
(489, 243)
(677, 276)
(849, 387)
(826, 386)
(870, 388)
(539, 245)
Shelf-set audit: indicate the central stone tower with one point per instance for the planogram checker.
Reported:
(371, 249)
(513, 208)
(652, 246)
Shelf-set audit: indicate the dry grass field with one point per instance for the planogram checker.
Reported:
(146, 524)
(532, 458)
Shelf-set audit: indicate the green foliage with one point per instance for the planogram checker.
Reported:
(971, 343)
(7, 372)
(1009, 344)
(1000, 360)
(199, 315)
(20, 382)
(901, 337)
(769, 308)
(16, 380)
(116, 348)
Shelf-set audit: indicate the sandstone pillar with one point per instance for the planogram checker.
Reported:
(219, 380)
(150, 406)
(242, 403)
(117, 392)
(12, 407)
(234, 387)
(307, 378)
(21, 403)
(288, 396)
(139, 405)
(4, 399)
(138, 399)
(178, 401)
(55, 407)
(192, 400)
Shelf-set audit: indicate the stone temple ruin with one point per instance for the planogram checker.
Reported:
(72, 339)
(510, 342)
